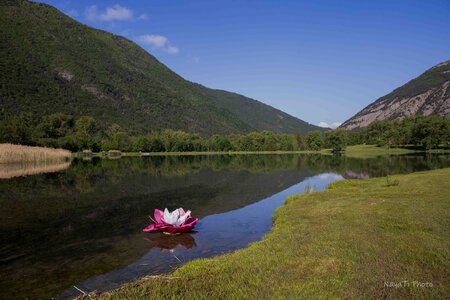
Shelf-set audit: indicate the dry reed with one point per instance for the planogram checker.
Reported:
(10, 153)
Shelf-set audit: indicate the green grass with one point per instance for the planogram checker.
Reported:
(372, 150)
(365, 151)
(345, 242)
(368, 151)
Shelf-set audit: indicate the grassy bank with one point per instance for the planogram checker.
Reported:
(355, 240)
(367, 151)
(364, 151)
(10, 153)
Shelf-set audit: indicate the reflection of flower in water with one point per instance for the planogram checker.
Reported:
(168, 242)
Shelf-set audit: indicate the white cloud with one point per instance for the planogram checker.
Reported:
(172, 50)
(113, 13)
(116, 12)
(332, 125)
(158, 42)
(143, 17)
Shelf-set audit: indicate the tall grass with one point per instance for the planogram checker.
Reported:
(10, 153)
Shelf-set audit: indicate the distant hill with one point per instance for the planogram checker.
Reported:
(51, 63)
(261, 116)
(428, 94)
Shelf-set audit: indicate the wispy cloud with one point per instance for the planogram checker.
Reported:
(327, 125)
(172, 50)
(158, 42)
(143, 17)
(113, 13)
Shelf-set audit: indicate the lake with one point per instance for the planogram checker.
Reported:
(81, 225)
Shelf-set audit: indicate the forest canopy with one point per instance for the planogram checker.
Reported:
(85, 133)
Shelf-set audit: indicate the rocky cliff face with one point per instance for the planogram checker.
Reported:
(428, 94)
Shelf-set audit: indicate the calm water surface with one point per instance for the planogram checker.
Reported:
(83, 226)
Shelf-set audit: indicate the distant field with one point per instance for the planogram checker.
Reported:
(10, 153)
(367, 151)
(372, 150)
(360, 239)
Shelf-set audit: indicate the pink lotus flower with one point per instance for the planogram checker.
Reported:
(175, 222)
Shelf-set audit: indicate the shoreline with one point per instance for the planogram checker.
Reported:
(351, 151)
(335, 239)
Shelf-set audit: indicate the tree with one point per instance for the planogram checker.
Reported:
(336, 139)
(56, 125)
(314, 140)
(86, 129)
(428, 132)
(16, 131)
(117, 139)
(218, 143)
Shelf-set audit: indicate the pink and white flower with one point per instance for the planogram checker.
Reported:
(174, 222)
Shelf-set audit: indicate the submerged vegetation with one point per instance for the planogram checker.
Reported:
(358, 239)
(10, 153)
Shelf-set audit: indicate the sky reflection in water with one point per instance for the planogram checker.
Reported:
(82, 225)
(215, 234)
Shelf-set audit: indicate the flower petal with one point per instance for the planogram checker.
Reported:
(171, 218)
(150, 227)
(182, 219)
(158, 215)
(188, 226)
(181, 211)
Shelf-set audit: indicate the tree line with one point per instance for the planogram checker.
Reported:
(85, 133)
(425, 132)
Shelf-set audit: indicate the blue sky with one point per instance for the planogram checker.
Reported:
(321, 60)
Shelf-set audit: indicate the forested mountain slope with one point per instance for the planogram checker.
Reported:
(51, 63)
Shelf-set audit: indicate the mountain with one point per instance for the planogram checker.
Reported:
(51, 63)
(261, 116)
(428, 94)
